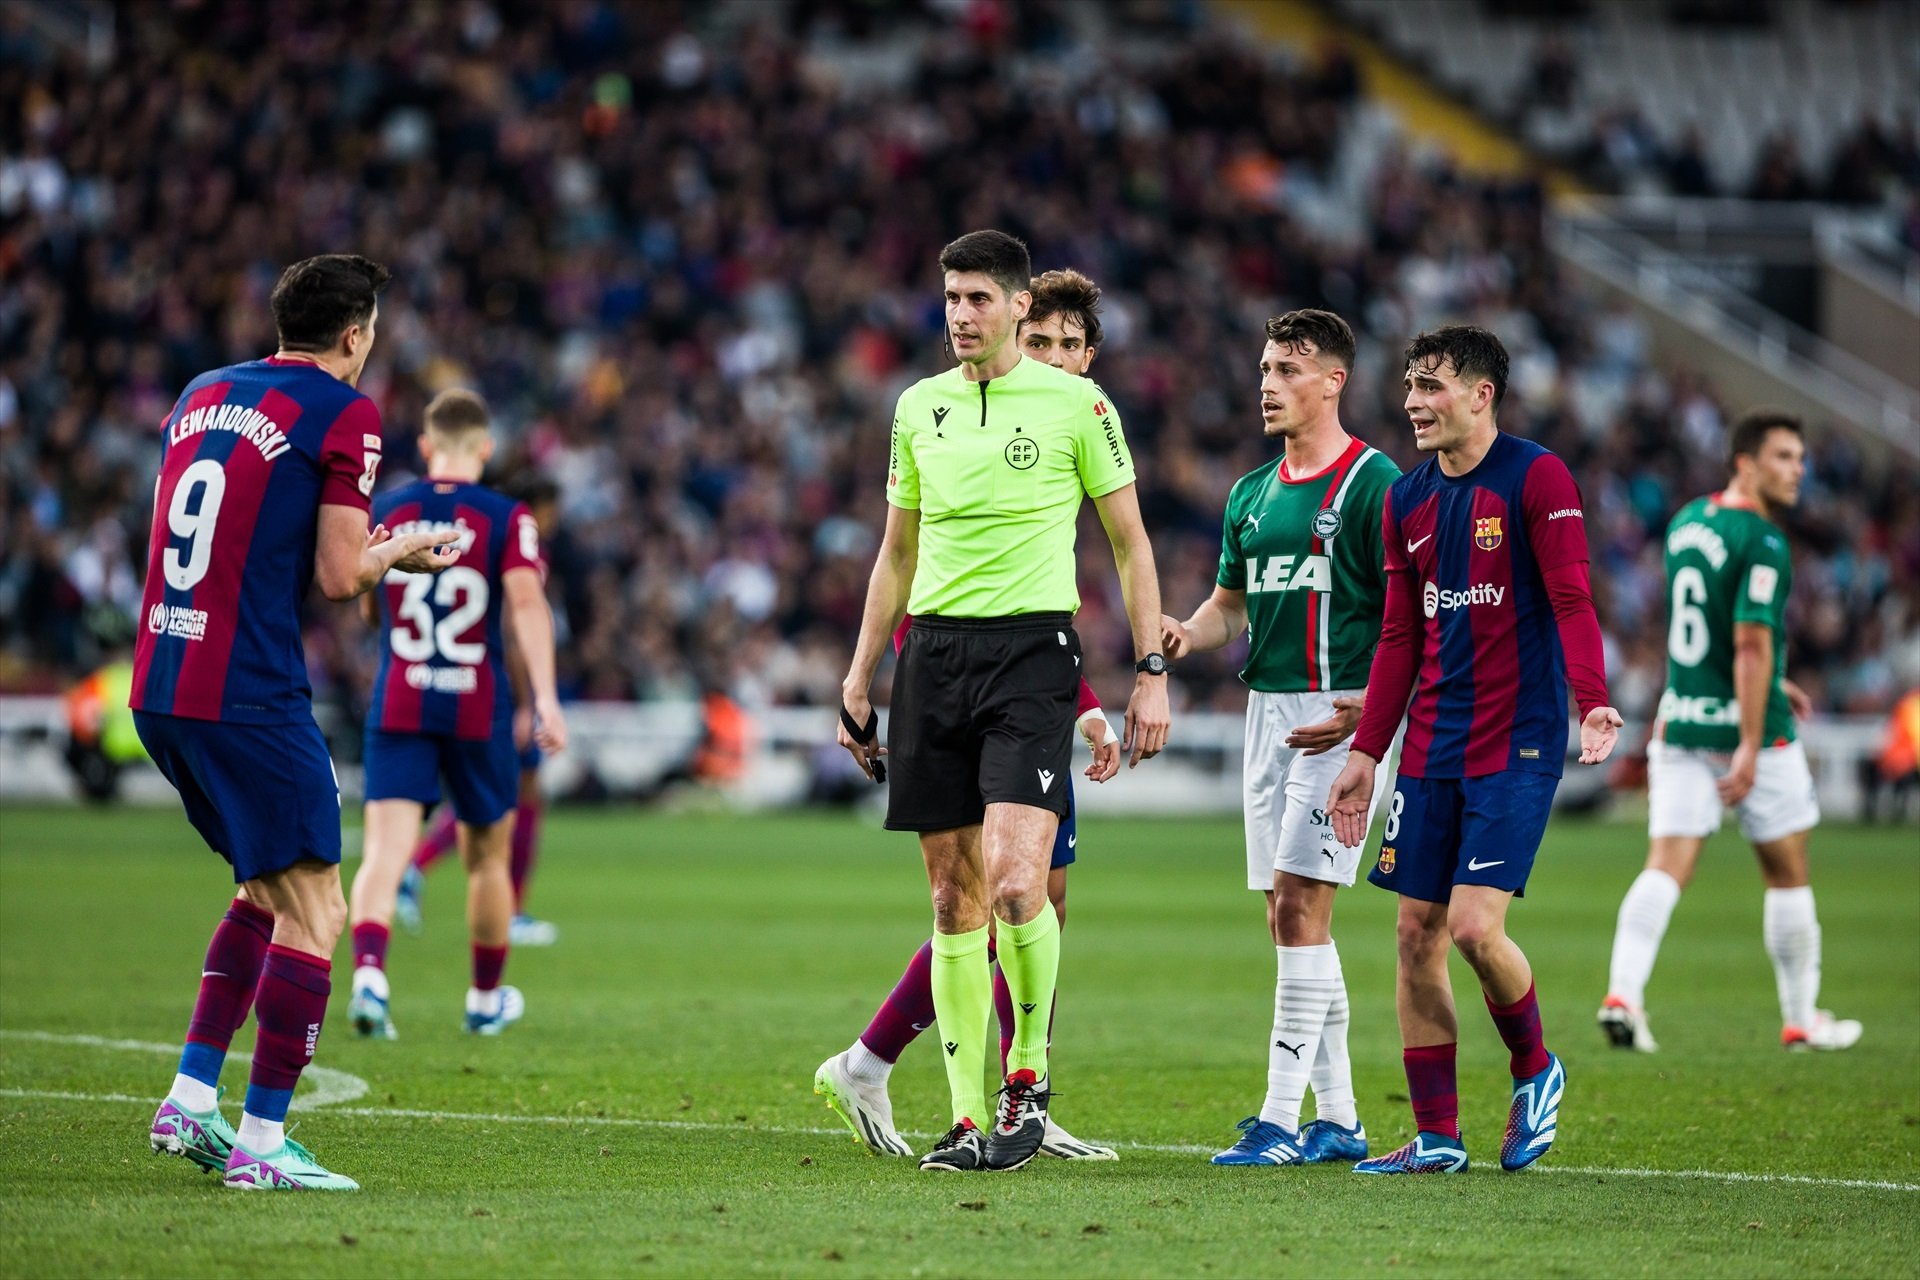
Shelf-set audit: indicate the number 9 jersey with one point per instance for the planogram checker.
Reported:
(442, 662)
(250, 453)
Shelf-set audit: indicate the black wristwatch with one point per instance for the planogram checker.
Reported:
(1153, 665)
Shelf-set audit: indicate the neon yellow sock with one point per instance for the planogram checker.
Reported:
(962, 1001)
(1030, 958)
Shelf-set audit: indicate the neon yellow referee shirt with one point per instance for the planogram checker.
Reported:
(997, 470)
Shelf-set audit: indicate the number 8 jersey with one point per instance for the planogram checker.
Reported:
(250, 453)
(442, 663)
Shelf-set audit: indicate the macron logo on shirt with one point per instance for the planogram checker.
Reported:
(1433, 598)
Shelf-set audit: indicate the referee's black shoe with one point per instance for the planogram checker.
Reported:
(1019, 1123)
(960, 1150)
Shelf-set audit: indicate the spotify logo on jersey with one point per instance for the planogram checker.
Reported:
(1022, 453)
(1430, 598)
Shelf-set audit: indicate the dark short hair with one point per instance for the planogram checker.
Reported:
(534, 488)
(1000, 257)
(1474, 353)
(1751, 429)
(1328, 333)
(457, 411)
(319, 299)
(1066, 292)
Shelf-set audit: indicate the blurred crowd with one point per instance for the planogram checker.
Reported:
(688, 254)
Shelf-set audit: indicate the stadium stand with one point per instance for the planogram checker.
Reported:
(686, 252)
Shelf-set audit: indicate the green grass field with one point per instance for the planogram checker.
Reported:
(654, 1113)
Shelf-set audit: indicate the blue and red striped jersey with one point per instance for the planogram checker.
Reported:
(249, 455)
(1491, 692)
(442, 664)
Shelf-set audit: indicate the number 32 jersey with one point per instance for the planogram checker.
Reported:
(442, 663)
(250, 453)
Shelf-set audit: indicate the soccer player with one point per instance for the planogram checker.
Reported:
(1489, 617)
(542, 497)
(1726, 738)
(442, 709)
(265, 473)
(1062, 329)
(990, 461)
(1301, 573)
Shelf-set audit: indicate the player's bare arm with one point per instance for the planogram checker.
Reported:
(530, 620)
(1752, 673)
(350, 559)
(887, 590)
(1148, 716)
(1799, 701)
(1220, 617)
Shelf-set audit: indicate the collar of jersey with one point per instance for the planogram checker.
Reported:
(1354, 448)
(961, 380)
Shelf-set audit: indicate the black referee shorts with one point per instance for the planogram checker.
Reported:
(983, 712)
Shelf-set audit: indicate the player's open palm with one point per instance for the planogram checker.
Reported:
(1598, 732)
(1350, 802)
(1318, 739)
(417, 552)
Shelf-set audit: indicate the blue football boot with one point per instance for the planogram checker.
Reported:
(1427, 1153)
(1324, 1142)
(1532, 1118)
(1262, 1142)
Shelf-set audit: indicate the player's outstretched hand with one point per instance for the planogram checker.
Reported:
(1174, 640)
(1148, 719)
(1598, 732)
(550, 725)
(865, 754)
(1351, 800)
(417, 552)
(1318, 739)
(1797, 700)
(1737, 781)
(1106, 748)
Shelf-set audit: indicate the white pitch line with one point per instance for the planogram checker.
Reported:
(709, 1126)
(329, 1086)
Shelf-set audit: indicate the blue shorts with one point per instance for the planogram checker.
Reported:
(530, 756)
(1067, 836)
(263, 796)
(483, 777)
(1443, 832)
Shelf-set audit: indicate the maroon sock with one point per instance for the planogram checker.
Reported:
(370, 940)
(907, 1010)
(1003, 1012)
(488, 964)
(289, 1008)
(441, 838)
(231, 974)
(1519, 1025)
(526, 846)
(1430, 1085)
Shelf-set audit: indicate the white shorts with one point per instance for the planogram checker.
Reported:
(1286, 792)
(1683, 802)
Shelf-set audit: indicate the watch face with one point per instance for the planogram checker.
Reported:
(1153, 664)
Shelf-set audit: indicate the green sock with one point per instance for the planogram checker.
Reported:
(962, 1000)
(1030, 958)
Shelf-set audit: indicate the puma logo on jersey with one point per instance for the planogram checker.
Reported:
(1289, 573)
(1254, 520)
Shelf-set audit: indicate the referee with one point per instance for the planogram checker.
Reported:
(989, 463)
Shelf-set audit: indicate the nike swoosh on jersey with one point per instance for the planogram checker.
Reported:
(1474, 864)
(1415, 546)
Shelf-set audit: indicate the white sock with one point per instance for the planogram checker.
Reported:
(1302, 993)
(866, 1066)
(194, 1095)
(368, 978)
(1332, 1074)
(1792, 935)
(485, 1003)
(261, 1137)
(1644, 913)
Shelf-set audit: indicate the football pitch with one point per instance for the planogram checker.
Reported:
(654, 1112)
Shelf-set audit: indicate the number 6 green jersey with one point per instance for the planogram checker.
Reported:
(1724, 565)
(1308, 554)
